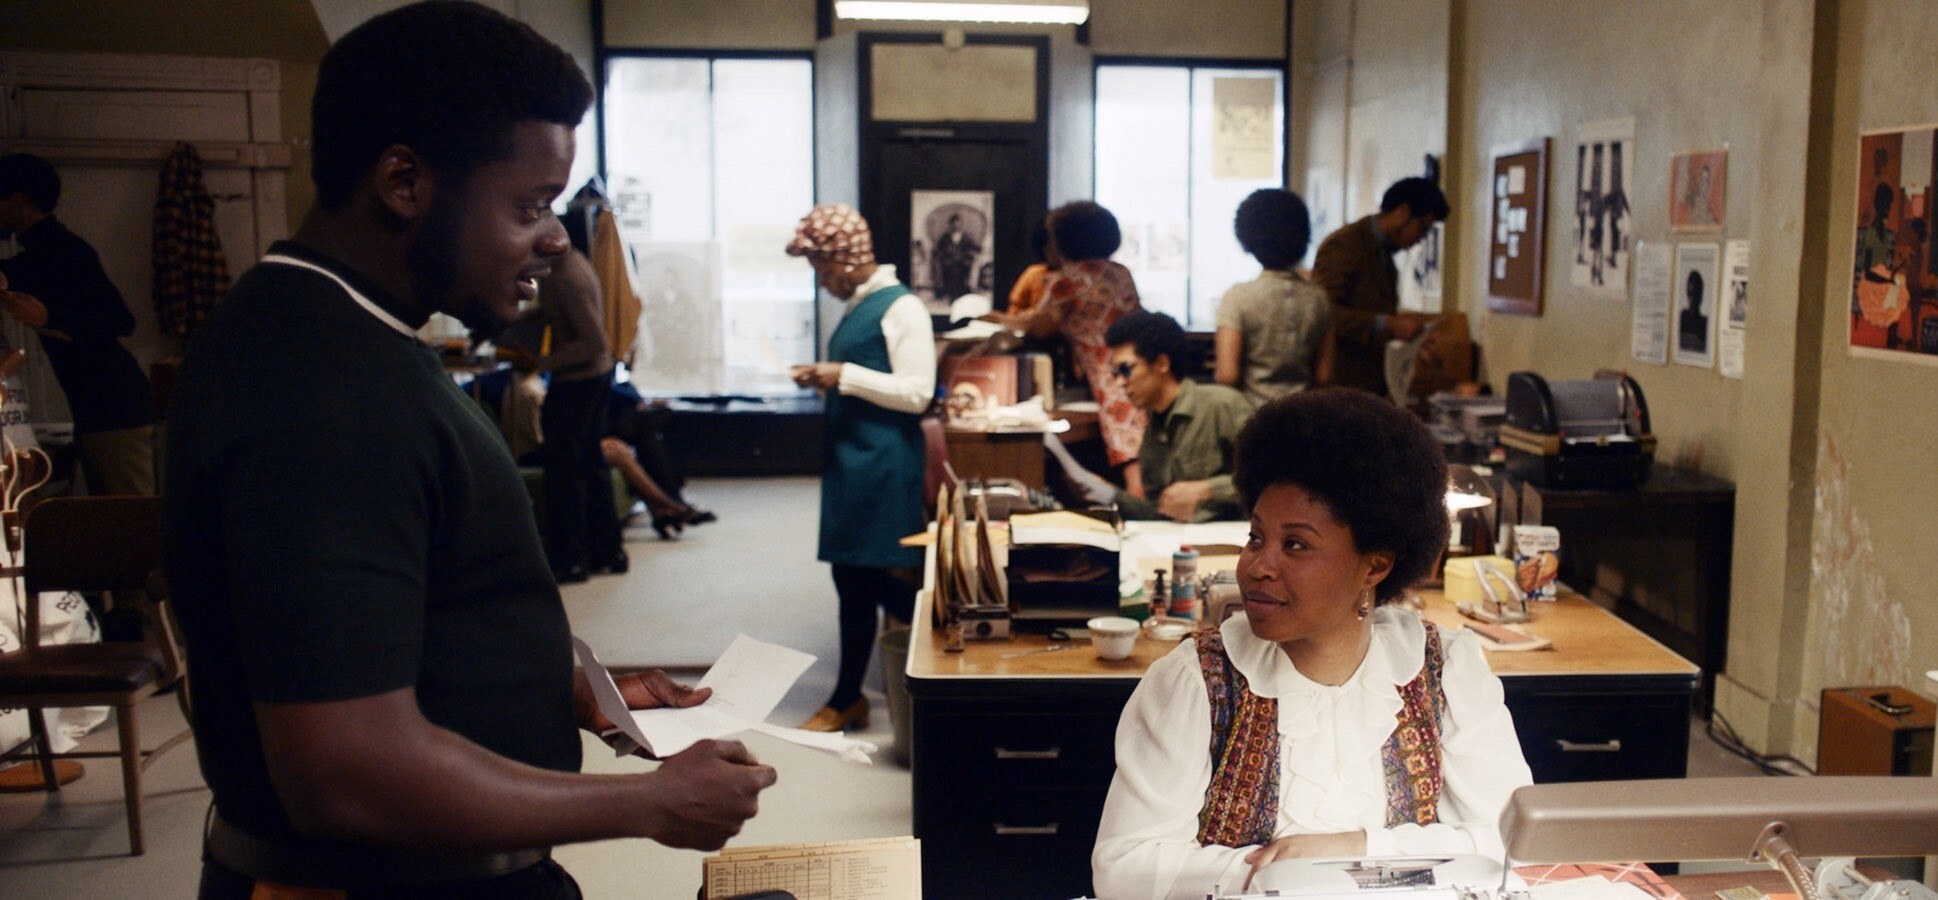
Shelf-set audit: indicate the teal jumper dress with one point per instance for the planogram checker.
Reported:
(871, 482)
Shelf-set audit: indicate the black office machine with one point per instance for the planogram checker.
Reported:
(1577, 434)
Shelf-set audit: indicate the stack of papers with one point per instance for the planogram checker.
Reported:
(1062, 527)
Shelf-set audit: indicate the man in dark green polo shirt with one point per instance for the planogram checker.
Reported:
(385, 701)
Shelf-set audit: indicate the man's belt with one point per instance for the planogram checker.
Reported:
(246, 854)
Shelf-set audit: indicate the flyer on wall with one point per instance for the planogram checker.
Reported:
(1649, 329)
(1736, 312)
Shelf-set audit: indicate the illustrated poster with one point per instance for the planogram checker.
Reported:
(1894, 282)
(1698, 190)
(1603, 224)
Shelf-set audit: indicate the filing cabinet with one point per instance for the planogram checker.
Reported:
(1007, 793)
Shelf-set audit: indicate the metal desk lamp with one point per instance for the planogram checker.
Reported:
(1771, 820)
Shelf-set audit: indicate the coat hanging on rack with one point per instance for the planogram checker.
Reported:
(614, 265)
(190, 272)
(594, 230)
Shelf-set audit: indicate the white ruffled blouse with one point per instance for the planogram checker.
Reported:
(1331, 776)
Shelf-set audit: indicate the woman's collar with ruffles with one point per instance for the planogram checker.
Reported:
(1355, 718)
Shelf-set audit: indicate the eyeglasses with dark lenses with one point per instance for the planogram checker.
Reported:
(1122, 370)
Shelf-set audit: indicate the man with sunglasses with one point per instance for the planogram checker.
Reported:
(1186, 454)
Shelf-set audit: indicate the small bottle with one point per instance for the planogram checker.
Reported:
(1158, 597)
(1184, 583)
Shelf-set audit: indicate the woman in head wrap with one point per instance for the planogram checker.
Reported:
(879, 377)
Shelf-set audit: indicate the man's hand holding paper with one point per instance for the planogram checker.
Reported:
(738, 693)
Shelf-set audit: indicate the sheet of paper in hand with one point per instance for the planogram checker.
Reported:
(748, 681)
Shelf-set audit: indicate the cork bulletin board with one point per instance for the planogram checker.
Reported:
(1515, 242)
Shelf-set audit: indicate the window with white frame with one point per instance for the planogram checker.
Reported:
(1177, 148)
(709, 163)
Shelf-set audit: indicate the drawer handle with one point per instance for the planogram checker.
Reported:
(1608, 746)
(1006, 753)
(1009, 830)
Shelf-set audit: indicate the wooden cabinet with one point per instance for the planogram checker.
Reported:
(1657, 554)
(1012, 755)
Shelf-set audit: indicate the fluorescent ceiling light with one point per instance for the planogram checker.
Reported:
(1066, 12)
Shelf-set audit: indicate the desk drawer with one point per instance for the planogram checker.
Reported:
(1007, 843)
(1600, 737)
(1021, 751)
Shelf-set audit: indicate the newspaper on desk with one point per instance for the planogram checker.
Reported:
(748, 681)
(1449, 876)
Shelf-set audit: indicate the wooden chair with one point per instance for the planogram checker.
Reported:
(95, 544)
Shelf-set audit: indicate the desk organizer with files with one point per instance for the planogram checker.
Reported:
(1062, 569)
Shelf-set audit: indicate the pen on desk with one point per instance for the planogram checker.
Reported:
(1050, 649)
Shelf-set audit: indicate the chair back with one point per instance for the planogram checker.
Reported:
(89, 544)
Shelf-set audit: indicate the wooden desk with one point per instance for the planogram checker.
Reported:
(1012, 755)
(981, 453)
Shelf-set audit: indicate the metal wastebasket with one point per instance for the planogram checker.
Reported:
(894, 648)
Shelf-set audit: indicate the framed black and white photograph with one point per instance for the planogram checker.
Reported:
(1695, 288)
(1604, 227)
(951, 249)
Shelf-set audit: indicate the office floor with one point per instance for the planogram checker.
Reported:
(753, 571)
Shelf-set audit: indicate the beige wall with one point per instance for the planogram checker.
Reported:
(1826, 450)
(1241, 29)
(1872, 606)
(711, 24)
(1369, 101)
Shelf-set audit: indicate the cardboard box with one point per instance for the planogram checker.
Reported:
(1537, 560)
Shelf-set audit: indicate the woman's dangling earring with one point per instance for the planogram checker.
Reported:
(1365, 607)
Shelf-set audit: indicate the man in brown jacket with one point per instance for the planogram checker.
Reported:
(1355, 266)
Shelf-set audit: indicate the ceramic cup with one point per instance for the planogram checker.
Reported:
(1113, 636)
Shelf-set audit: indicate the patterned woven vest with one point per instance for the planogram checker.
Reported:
(1241, 805)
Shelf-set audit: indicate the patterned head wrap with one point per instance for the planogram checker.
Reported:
(834, 232)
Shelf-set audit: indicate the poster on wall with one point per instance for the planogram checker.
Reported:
(1243, 128)
(1698, 190)
(1603, 227)
(951, 251)
(679, 345)
(1730, 332)
(1419, 267)
(1894, 269)
(1649, 323)
(1515, 243)
(1695, 286)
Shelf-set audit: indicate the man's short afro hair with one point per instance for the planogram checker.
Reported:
(447, 79)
